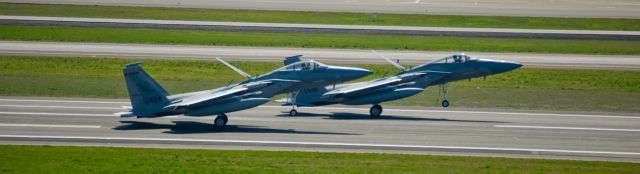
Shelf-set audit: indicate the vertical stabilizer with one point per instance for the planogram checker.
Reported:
(147, 96)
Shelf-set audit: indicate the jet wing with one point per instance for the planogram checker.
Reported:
(188, 101)
(363, 87)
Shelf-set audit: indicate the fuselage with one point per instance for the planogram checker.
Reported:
(297, 76)
(434, 73)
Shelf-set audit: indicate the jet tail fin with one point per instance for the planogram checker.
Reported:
(238, 70)
(147, 96)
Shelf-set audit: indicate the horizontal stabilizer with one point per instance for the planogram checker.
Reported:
(206, 97)
(124, 114)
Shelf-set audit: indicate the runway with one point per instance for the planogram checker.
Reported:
(546, 8)
(320, 28)
(153, 51)
(89, 122)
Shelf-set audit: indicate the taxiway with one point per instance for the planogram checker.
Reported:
(157, 51)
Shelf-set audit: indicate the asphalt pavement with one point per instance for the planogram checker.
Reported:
(191, 52)
(529, 134)
(320, 28)
(545, 8)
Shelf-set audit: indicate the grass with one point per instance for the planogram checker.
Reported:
(358, 41)
(48, 159)
(527, 88)
(318, 17)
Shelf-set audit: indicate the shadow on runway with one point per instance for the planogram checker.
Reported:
(192, 127)
(354, 116)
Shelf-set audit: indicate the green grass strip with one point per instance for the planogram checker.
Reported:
(358, 41)
(56, 159)
(527, 88)
(318, 17)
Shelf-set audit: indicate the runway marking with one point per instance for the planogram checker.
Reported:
(50, 125)
(63, 101)
(63, 107)
(566, 128)
(61, 114)
(476, 112)
(335, 144)
(363, 109)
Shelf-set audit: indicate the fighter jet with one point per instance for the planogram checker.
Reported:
(406, 83)
(149, 99)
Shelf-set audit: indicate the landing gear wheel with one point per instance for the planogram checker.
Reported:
(445, 103)
(293, 112)
(443, 88)
(220, 121)
(375, 111)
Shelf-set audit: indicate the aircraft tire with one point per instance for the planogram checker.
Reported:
(445, 103)
(293, 112)
(220, 121)
(375, 111)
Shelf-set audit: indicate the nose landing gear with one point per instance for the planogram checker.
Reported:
(292, 99)
(444, 90)
(445, 103)
(293, 112)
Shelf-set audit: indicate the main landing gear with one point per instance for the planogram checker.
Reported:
(220, 121)
(375, 111)
(292, 98)
(443, 89)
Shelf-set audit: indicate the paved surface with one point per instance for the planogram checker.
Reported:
(325, 55)
(552, 8)
(338, 128)
(319, 28)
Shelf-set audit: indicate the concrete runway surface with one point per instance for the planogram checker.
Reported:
(89, 122)
(547, 8)
(153, 51)
(320, 28)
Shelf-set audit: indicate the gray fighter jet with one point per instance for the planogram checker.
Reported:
(404, 84)
(149, 99)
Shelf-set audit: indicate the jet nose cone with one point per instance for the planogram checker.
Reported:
(488, 66)
(361, 72)
(512, 65)
(357, 72)
(504, 66)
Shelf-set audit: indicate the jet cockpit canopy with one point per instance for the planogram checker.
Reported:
(303, 66)
(456, 58)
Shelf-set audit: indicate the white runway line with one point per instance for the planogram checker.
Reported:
(62, 107)
(566, 128)
(474, 112)
(64, 101)
(365, 109)
(50, 125)
(362, 145)
(60, 114)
